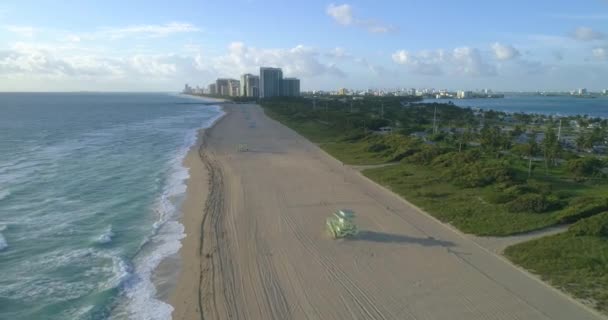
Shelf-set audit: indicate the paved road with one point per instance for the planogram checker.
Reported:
(270, 258)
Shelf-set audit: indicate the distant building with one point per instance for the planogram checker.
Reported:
(187, 89)
(221, 86)
(212, 89)
(234, 88)
(250, 85)
(270, 82)
(342, 91)
(582, 91)
(384, 130)
(464, 94)
(605, 92)
(290, 87)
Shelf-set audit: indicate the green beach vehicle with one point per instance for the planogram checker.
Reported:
(341, 225)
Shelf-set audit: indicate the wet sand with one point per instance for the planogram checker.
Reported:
(256, 247)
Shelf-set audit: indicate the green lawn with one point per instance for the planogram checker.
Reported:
(575, 263)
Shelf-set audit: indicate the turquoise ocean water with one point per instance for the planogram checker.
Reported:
(563, 106)
(90, 187)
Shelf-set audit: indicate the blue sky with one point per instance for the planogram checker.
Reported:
(160, 45)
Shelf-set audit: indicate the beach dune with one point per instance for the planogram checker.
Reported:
(256, 247)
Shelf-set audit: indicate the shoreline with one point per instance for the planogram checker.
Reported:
(183, 296)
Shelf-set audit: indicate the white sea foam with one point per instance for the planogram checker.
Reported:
(141, 302)
(4, 194)
(3, 243)
(106, 236)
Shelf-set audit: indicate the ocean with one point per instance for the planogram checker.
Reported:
(556, 105)
(90, 190)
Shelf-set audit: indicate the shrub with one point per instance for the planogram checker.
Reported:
(539, 187)
(596, 226)
(499, 197)
(451, 159)
(532, 202)
(377, 147)
(426, 155)
(583, 207)
(585, 167)
(479, 174)
(353, 136)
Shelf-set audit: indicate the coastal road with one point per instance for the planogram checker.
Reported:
(266, 254)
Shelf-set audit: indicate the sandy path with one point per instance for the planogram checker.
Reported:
(499, 244)
(265, 254)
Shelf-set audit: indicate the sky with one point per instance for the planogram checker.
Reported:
(154, 45)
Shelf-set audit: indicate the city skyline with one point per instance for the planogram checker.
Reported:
(269, 83)
(549, 46)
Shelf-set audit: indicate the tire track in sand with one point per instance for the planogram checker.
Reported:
(217, 272)
(368, 307)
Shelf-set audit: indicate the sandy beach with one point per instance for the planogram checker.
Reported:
(256, 246)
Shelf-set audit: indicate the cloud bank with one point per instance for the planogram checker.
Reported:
(343, 15)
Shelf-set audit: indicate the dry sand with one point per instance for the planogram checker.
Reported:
(265, 255)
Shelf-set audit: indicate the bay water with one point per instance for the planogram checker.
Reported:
(537, 104)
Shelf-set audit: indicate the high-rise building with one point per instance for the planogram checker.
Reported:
(270, 82)
(221, 86)
(582, 91)
(234, 88)
(290, 87)
(464, 94)
(250, 85)
(212, 89)
(227, 87)
(605, 92)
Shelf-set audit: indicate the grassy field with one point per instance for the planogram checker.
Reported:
(464, 208)
(575, 261)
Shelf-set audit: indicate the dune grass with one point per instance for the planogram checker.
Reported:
(574, 261)
(464, 208)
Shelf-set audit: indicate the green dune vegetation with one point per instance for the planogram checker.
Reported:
(485, 172)
(574, 261)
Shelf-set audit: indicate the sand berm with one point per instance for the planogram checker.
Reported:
(256, 247)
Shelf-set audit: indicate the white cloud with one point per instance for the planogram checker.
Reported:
(468, 61)
(300, 61)
(73, 38)
(505, 52)
(141, 31)
(150, 30)
(23, 31)
(600, 53)
(338, 53)
(45, 61)
(587, 34)
(402, 57)
(459, 61)
(70, 62)
(343, 14)
(73, 62)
